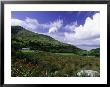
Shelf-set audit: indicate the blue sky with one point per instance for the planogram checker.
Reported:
(80, 28)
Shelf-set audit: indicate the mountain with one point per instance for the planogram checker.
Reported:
(22, 38)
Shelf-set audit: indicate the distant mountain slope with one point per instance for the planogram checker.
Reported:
(24, 38)
(95, 52)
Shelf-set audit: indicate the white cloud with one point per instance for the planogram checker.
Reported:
(87, 33)
(15, 22)
(71, 27)
(89, 30)
(45, 26)
(53, 29)
(28, 23)
(31, 21)
(33, 24)
(54, 26)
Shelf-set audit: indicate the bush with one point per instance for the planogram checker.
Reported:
(29, 56)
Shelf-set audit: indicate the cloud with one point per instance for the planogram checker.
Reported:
(71, 27)
(34, 25)
(55, 26)
(53, 29)
(89, 33)
(15, 22)
(89, 30)
(31, 23)
(28, 23)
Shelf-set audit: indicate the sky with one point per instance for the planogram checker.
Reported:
(79, 28)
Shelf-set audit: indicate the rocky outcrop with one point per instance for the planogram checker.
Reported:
(88, 73)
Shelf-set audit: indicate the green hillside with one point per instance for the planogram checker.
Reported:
(22, 38)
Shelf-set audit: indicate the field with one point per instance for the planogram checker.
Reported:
(66, 54)
(47, 64)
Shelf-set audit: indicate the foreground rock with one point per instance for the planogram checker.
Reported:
(88, 73)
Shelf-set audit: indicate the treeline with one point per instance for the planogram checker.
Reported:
(93, 52)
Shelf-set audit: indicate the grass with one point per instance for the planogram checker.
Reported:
(66, 54)
(46, 64)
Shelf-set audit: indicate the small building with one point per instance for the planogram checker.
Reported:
(25, 48)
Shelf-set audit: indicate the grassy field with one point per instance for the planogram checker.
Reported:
(66, 54)
(46, 64)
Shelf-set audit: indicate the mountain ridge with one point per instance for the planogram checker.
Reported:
(31, 39)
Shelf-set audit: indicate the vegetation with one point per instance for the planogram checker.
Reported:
(47, 56)
(93, 52)
(24, 38)
(50, 64)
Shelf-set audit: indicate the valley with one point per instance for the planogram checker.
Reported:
(37, 55)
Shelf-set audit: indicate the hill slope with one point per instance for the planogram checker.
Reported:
(23, 38)
(95, 52)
